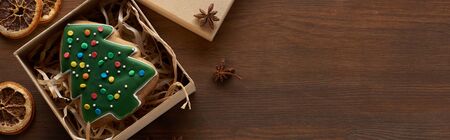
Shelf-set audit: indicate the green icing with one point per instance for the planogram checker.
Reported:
(107, 53)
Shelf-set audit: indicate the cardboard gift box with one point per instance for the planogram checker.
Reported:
(83, 9)
(182, 12)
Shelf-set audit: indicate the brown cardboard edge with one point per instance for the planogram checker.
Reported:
(34, 42)
(159, 110)
(135, 127)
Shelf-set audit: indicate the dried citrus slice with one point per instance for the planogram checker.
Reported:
(16, 108)
(18, 18)
(51, 7)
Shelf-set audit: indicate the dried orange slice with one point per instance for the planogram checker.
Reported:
(18, 18)
(51, 7)
(16, 108)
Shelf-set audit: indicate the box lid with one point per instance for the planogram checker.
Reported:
(183, 11)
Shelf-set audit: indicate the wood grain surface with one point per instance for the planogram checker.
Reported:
(313, 69)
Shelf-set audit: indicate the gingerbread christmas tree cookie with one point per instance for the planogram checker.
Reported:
(106, 72)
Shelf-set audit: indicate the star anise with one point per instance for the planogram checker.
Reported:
(207, 18)
(223, 72)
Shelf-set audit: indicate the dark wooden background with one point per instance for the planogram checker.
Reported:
(313, 69)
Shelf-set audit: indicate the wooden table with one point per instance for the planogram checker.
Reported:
(313, 69)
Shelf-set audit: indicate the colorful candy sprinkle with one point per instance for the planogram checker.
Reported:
(87, 32)
(73, 64)
(98, 111)
(85, 76)
(100, 29)
(93, 43)
(102, 90)
(80, 55)
(66, 55)
(70, 33)
(84, 46)
(111, 79)
(141, 73)
(87, 106)
(117, 64)
(110, 97)
(69, 40)
(100, 62)
(131, 72)
(94, 96)
(116, 96)
(110, 55)
(94, 54)
(83, 85)
(103, 75)
(82, 65)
